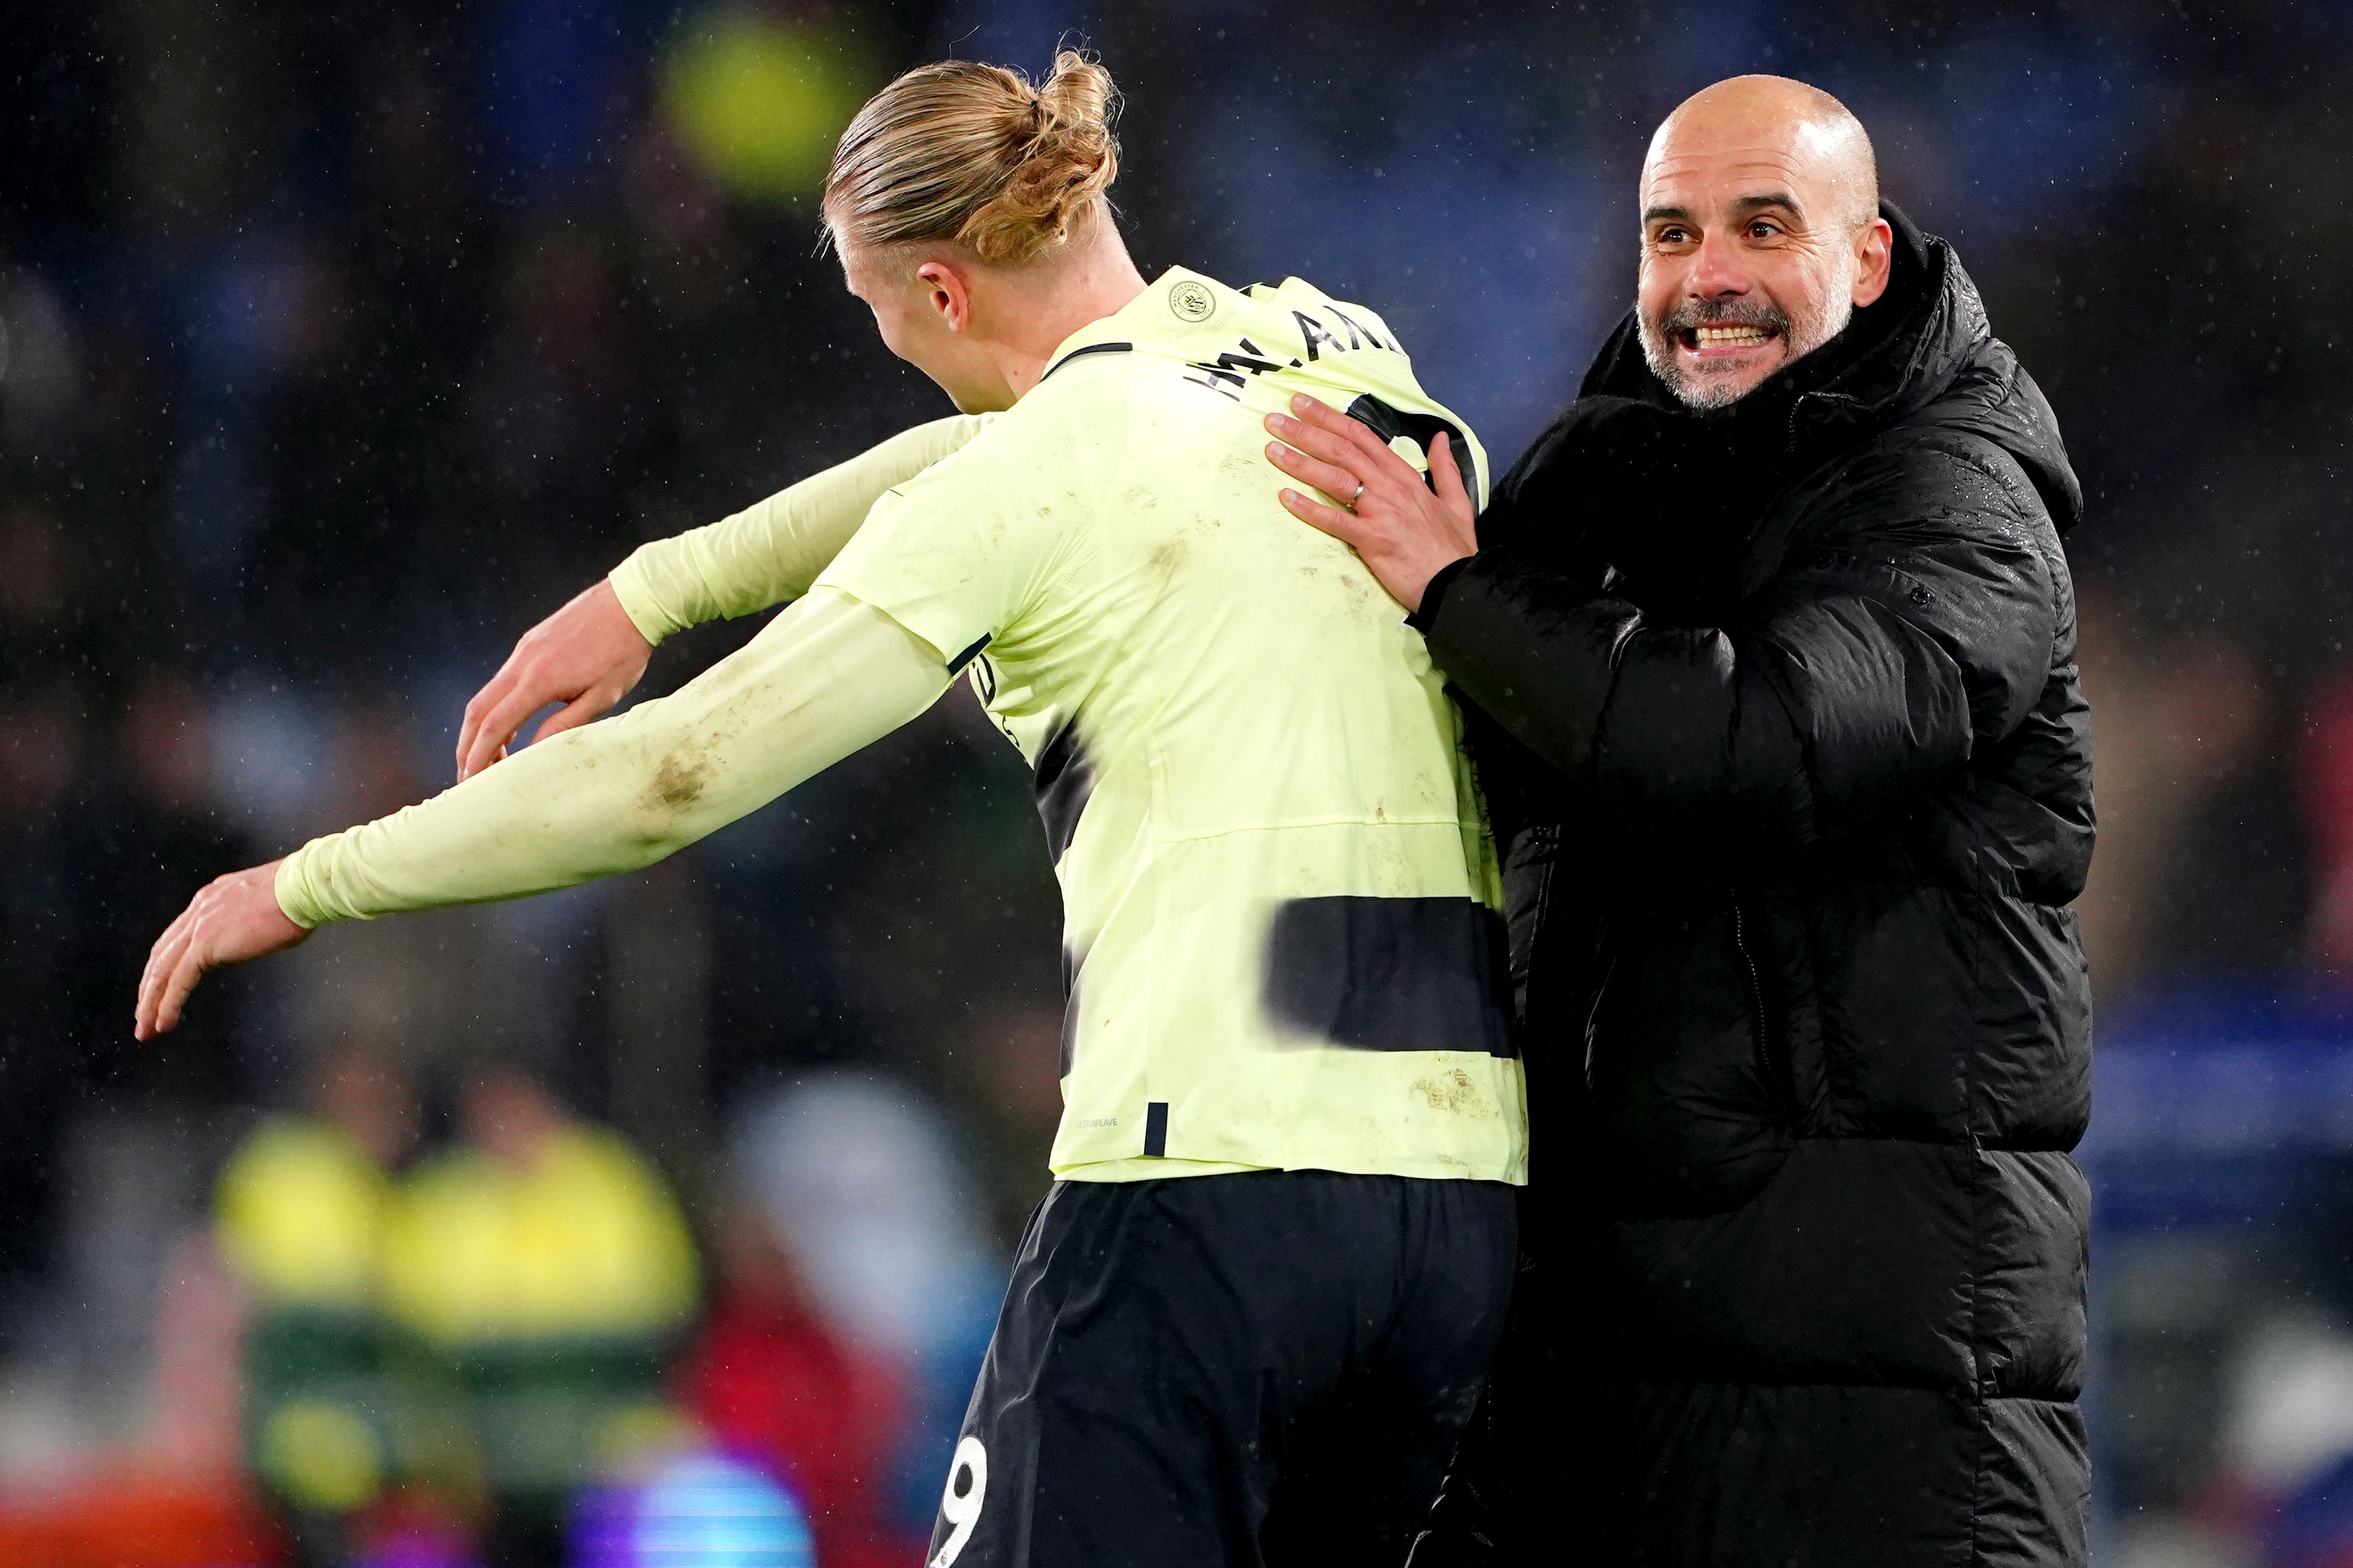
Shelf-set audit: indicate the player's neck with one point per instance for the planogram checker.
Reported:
(1095, 283)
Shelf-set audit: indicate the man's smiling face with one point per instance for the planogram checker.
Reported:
(1760, 235)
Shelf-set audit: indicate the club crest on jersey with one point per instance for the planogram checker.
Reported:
(1191, 301)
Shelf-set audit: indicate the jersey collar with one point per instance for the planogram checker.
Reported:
(1172, 310)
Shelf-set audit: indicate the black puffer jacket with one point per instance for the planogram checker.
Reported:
(1780, 726)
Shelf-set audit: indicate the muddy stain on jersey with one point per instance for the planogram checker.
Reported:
(1453, 1092)
(678, 783)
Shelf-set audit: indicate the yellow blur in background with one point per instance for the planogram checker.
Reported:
(757, 99)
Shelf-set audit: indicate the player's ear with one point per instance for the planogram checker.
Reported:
(949, 292)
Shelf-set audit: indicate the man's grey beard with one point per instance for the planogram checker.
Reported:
(1659, 342)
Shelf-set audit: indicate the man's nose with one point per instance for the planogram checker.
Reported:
(1719, 272)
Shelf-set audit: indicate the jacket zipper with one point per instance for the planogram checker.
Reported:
(1769, 1059)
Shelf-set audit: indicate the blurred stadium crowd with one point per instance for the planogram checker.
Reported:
(344, 342)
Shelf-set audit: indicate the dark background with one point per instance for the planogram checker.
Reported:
(345, 341)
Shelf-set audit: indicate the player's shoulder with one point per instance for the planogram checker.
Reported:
(1038, 443)
(1326, 318)
(1078, 406)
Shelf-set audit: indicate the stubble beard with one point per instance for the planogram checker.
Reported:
(1721, 389)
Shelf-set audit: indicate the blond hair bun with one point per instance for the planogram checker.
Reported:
(977, 155)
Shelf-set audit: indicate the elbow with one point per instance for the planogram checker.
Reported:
(647, 841)
(661, 817)
(1537, 654)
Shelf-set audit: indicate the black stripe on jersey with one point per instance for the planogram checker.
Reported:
(1312, 333)
(1392, 974)
(1090, 349)
(1389, 424)
(956, 665)
(1155, 1128)
(1355, 327)
(1065, 779)
(1073, 966)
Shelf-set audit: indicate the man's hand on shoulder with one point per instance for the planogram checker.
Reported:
(234, 918)
(587, 656)
(1407, 531)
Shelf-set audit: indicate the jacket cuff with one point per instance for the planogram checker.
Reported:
(1536, 651)
(1422, 619)
(1435, 625)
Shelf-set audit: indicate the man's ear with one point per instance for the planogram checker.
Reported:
(950, 294)
(1874, 248)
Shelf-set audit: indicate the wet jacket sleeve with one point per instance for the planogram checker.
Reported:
(1856, 677)
(769, 553)
(827, 677)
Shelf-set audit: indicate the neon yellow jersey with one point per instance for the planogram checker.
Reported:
(299, 1213)
(588, 1244)
(1279, 891)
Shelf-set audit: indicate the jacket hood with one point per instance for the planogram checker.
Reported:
(1923, 350)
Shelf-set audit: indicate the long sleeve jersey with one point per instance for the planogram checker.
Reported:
(770, 553)
(1280, 893)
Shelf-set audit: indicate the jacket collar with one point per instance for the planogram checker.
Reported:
(1674, 497)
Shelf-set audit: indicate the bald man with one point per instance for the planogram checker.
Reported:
(1768, 644)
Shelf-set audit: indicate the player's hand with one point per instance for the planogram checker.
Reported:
(587, 656)
(234, 918)
(1405, 531)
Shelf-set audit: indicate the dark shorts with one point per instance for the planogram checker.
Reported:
(1230, 1372)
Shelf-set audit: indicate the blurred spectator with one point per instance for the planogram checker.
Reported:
(341, 344)
(857, 1176)
(544, 1271)
(772, 1382)
(2178, 720)
(301, 1210)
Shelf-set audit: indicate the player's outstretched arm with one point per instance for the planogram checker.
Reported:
(590, 654)
(830, 675)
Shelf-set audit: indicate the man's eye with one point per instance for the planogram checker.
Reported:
(1761, 229)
